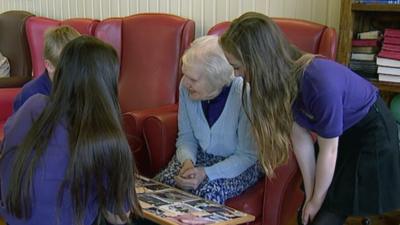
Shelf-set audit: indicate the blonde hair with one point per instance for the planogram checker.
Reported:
(273, 68)
(54, 41)
(206, 55)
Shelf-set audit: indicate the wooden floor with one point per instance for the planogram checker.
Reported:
(392, 218)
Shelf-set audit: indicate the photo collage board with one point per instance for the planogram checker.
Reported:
(174, 206)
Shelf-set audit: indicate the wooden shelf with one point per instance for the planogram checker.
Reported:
(386, 86)
(361, 17)
(375, 7)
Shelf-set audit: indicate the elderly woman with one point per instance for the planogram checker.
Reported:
(216, 157)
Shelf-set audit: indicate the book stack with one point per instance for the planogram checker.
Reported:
(363, 53)
(388, 59)
(378, 1)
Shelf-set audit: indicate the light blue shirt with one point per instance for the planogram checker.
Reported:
(230, 136)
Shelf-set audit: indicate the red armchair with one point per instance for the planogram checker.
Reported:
(272, 201)
(7, 96)
(14, 46)
(36, 27)
(308, 36)
(150, 46)
(23, 45)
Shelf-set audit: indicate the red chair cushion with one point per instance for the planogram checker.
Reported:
(6, 101)
(250, 201)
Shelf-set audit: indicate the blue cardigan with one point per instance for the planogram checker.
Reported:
(230, 136)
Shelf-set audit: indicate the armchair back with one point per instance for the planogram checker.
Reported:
(149, 46)
(36, 27)
(14, 46)
(308, 36)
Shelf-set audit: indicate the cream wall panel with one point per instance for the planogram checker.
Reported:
(276, 8)
(304, 9)
(319, 9)
(288, 8)
(174, 7)
(79, 8)
(333, 16)
(102, 11)
(209, 14)
(205, 13)
(110, 8)
(248, 6)
(198, 16)
(221, 11)
(186, 8)
(95, 9)
(234, 9)
(143, 6)
(154, 6)
(262, 6)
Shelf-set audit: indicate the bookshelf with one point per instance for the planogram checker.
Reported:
(376, 7)
(359, 17)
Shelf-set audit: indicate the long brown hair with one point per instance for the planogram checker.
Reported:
(85, 97)
(273, 68)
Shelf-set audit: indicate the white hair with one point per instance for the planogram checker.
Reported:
(206, 55)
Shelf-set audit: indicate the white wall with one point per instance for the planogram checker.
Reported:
(204, 12)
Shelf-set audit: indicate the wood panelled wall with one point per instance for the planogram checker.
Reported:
(205, 13)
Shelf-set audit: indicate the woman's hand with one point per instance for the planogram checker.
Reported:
(187, 164)
(191, 178)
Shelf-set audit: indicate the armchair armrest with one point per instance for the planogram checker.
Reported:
(251, 200)
(7, 96)
(328, 44)
(283, 194)
(160, 132)
(133, 126)
(133, 121)
(14, 81)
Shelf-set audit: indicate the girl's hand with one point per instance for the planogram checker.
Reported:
(311, 209)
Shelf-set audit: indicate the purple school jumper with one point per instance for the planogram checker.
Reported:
(41, 85)
(333, 101)
(49, 173)
(332, 98)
